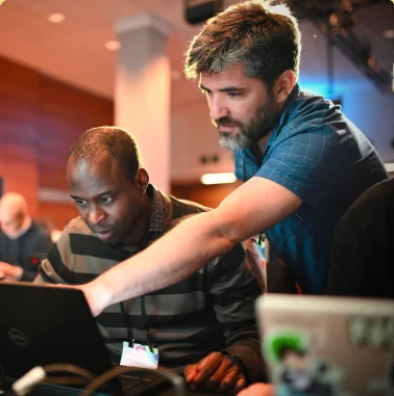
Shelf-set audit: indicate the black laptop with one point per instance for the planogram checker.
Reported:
(41, 325)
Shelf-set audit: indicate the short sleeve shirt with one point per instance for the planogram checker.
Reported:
(323, 158)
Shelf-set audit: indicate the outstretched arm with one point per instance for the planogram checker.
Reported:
(250, 209)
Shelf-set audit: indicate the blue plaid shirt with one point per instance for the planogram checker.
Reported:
(323, 158)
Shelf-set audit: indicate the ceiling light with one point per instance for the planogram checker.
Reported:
(112, 45)
(56, 18)
(218, 178)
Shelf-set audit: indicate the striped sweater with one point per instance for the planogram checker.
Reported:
(212, 310)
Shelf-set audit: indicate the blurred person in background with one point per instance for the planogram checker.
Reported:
(22, 241)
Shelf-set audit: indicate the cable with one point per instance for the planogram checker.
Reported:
(175, 379)
(23, 385)
(40, 374)
(69, 368)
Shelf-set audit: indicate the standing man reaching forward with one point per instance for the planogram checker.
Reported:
(303, 161)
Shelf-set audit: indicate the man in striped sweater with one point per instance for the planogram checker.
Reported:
(203, 325)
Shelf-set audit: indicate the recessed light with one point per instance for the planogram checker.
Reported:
(218, 178)
(112, 45)
(56, 18)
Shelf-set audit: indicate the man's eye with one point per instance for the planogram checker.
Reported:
(106, 200)
(81, 203)
(235, 94)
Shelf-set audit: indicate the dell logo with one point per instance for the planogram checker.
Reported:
(17, 337)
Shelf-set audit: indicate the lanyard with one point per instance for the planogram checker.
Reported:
(128, 325)
(126, 317)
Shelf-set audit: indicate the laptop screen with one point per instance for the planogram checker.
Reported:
(40, 325)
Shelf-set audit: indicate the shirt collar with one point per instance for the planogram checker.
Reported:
(283, 118)
(159, 210)
(160, 218)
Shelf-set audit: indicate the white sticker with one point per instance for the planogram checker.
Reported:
(139, 356)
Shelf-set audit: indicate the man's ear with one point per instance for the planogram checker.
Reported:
(142, 179)
(283, 86)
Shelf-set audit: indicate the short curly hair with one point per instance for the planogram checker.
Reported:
(117, 142)
(265, 38)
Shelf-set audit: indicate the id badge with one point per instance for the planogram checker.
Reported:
(256, 259)
(139, 356)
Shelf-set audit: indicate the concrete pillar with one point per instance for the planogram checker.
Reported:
(142, 91)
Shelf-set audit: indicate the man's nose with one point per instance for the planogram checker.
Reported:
(96, 215)
(217, 108)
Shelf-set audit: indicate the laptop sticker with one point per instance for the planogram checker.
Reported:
(295, 371)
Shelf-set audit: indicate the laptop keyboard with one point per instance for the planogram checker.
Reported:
(129, 382)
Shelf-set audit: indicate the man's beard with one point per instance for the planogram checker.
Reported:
(259, 126)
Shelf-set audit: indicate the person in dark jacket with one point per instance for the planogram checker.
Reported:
(362, 255)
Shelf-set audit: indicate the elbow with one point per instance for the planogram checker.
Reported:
(226, 231)
(229, 240)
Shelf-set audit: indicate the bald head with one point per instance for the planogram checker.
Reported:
(13, 213)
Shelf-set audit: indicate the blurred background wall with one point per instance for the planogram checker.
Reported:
(61, 72)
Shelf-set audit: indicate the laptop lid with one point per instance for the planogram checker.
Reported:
(328, 345)
(42, 324)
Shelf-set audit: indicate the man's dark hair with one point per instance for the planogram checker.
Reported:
(284, 350)
(116, 142)
(264, 38)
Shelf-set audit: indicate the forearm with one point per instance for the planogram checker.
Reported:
(174, 257)
(243, 343)
(194, 243)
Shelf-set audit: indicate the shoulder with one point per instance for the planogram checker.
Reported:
(37, 232)
(78, 226)
(309, 116)
(183, 207)
(307, 112)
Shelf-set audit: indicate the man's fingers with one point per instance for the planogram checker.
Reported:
(228, 381)
(206, 368)
(241, 384)
(190, 372)
(216, 378)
